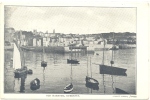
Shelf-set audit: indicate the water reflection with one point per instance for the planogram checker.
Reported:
(57, 73)
(19, 84)
(22, 87)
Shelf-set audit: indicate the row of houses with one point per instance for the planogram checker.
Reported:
(28, 38)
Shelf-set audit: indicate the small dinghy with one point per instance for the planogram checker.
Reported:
(68, 88)
(93, 87)
(35, 84)
(91, 81)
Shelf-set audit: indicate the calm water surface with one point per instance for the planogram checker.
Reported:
(57, 73)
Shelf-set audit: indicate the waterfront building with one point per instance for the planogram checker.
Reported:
(34, 41)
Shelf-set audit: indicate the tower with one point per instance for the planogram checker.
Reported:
(54, 31)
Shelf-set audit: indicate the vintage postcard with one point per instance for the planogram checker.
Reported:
(74, 50)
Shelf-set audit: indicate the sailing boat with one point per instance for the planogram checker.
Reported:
(72, 61)
(43, 63)
(69, 87)
(19, 69)
(89, 80)
(106, 69)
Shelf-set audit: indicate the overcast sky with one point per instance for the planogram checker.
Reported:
(71, 19)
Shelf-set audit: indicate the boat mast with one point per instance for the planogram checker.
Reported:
(112, 62)
(103, 64)
(87, 63)
(90, 67)
(71, 64)
(43, 53)
(23, 58)
(103, 51)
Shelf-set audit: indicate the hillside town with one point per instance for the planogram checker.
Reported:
(50, 39)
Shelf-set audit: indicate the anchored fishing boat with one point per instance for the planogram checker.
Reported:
(89, 80)
(106, 69)
(69, 87)
(43, 63)
(72, 61)
(17, 64)
(120, 91)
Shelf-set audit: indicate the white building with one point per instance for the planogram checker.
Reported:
(34, 42)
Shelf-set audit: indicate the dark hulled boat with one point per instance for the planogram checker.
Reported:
(72, 61)
(111, 70)
(35, 84)
(91, 81)
(119, 91)
(20, 72)
(105, 69)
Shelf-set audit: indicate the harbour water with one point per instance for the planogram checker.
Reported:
(57, 73)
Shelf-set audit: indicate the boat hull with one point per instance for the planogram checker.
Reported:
(35, 84)
(27, 48)
(71, 61)
(19, 74)
(119, 91)
(68, 88)
(91, 81)
(104, 69)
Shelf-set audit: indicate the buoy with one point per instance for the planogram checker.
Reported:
(111, 62)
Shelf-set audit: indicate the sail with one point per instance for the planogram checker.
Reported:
(16, 58)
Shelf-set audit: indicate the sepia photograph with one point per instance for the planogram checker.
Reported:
(74, 51)
(77, 50)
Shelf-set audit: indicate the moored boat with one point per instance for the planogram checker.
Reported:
(91, 81)
(35, 84)
(68, 88)
(19, 69)
(120, 91)
(111, 70)
(105, 69)
(72, 61)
